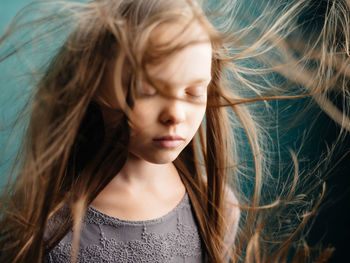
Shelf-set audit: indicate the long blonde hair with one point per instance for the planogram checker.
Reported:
(68, 154)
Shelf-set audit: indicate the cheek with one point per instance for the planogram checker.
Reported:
(196, 116)
(143, 117)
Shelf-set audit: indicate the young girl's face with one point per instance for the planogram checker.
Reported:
(164, 125)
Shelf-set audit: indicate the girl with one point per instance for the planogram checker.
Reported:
(111, 133)
(117, 163)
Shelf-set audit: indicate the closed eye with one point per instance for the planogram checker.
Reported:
(195, 95)
(197, 92)
(146, 90)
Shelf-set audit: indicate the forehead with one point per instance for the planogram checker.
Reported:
(180, 31)
(193, 62)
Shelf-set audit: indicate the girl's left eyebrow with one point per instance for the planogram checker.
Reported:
(199, 81)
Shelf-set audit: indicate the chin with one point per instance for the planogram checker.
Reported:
(163, 159)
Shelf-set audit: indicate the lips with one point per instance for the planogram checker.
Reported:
(168, 141)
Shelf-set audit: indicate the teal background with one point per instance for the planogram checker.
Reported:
(8, 8)
(11, 96)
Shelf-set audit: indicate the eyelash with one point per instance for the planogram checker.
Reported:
(148, 92)
(194, 96)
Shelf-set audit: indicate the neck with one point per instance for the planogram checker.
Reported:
(139, 172)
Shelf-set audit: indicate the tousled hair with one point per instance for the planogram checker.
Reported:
(69, 154)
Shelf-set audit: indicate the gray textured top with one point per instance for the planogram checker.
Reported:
(170, 238)
(173, 237)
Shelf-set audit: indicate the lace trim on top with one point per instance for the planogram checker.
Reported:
(94, 216)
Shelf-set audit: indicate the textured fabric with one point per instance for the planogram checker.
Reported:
(171, 238)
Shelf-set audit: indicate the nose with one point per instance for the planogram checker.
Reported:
(173, 112)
